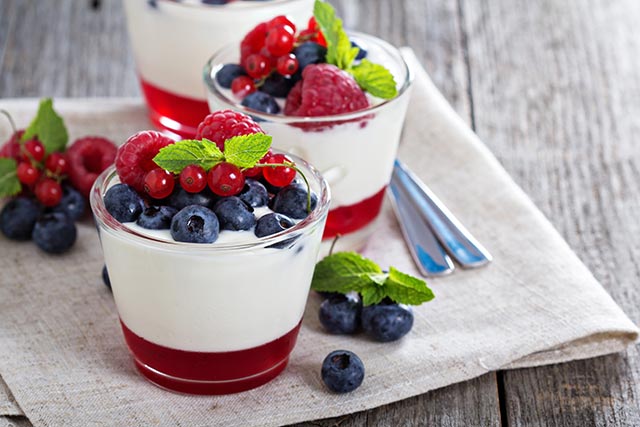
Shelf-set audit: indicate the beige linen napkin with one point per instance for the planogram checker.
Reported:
(63, 357)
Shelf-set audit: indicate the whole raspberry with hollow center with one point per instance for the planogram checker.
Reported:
(224, 124)
(135, 157)
(325, 90)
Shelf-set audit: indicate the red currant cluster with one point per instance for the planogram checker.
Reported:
(41, 173)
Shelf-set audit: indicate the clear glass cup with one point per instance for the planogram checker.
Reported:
(211, 318)
(355, 152)
(171, 40)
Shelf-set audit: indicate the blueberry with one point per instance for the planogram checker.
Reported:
(18, 218)
(340, 314)
(387, 321)
(261, 101)
(105, 277)
(362, 53)
(292, 201)
(234, 214)
(272, 223)
(277, 85)
(180, 198)
(54, 233)
(195, 224)
(123, 203)
(72, 203)
(254, 194)
(227, 73)
(156, 217)
(342, 371)
(309, 53)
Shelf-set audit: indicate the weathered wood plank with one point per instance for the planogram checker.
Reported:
(555, 88)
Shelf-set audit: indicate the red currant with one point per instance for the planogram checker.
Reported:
(257, 66)
(225, 179)
(48, 192)
(33, 150)
(279, 176)
(27, 173)
(287, 64)
(57, 164)
(282, 20)
(158, 183)
(193, 179)
(242, 86)
(252, 173)
(279, 41)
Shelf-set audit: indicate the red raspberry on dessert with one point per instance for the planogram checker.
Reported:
(253, 42)
(86, 158)
(135, 157)
(224, 124)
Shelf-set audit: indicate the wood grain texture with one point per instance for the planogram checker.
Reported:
(555, 90)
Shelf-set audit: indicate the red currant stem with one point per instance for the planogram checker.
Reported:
(8, 116)
(333, 244)
(295, 168)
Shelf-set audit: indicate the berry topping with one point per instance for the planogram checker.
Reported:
(253, 42)
(123, 203)
(18, 217)
(342, 371)
(11, 148)
(254, 194)
(195, 224)
(257, 66)
(272, 223)
(105, 277)
(279, 176)
(261, 101)
(325, 90)
(362, 53)
(135, 157)
(87, 158)
(387, 321)
(33, 150)
(279, 41)
(72, 203)
(287, 65)
(57, 164)
(340, 314)
(309, 53)
(225, 124)
(282, 20)
(234, 214)
(242, 86)
(292, 201)
(54, 233)
(48, 192)
(225, 179)
(27, 173)
(181, 198)
(158, 183)
(277, 85)
(156, 217)
(193, 179)
(228, 73)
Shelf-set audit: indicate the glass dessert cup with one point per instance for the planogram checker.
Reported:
(355, 152)
(172, 39)
(211, 318)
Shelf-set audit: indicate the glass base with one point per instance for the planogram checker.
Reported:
(350, 219)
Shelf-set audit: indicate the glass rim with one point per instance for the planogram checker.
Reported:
(201, 3)
(212, 67)
(107, 222)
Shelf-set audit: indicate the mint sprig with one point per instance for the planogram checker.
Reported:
(246, 152)
(48, 127)
(373, 78)
(348, 271)
(9, 183)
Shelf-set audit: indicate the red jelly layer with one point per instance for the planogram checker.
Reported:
(176, 113)
(347, 219)
(211, 372)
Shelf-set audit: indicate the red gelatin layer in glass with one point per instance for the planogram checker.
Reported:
(211, 373)
(178, 114)
(347, 219)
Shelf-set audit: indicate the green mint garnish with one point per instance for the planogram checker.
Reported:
(9, 183)
(373, 78)
(348, 271)
(246, 151)
(49, 127)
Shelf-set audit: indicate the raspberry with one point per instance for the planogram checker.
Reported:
(253, 42)
(325, 90)
(87, 157)
(135, 157)
(224, 124)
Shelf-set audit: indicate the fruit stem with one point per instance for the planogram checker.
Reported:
(8, 116)
(333, 244)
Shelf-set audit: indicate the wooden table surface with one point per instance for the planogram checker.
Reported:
(552, 87)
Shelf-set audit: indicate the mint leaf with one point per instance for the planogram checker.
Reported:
(339, 50)
(407, 289)
(49, 127)
(175, 157)
(9, 183)
(344, 272)
(372, 295)
(246, 150)
(375, 79)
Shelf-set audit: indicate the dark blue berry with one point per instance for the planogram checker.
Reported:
(195, 224)
(261, 101)
(215, 2)
(362, 53)
(277, 85)
(272, 223)
(292, 201)
(156, 217)
(342, 371)
(227, 73)
(387, 321)
(340, 314)
(18, 218)
(309, 53)
(54, 233)
(123, 203)
(234, 214)
(180, 198)
(72, 203)
(105, 277)
(153, 3)
(254, 194)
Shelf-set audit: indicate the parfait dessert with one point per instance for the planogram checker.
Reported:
(210, 246)
(337, 99)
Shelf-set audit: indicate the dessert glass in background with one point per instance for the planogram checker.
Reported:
(211, 318)
(172, 39)
(355, 152)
